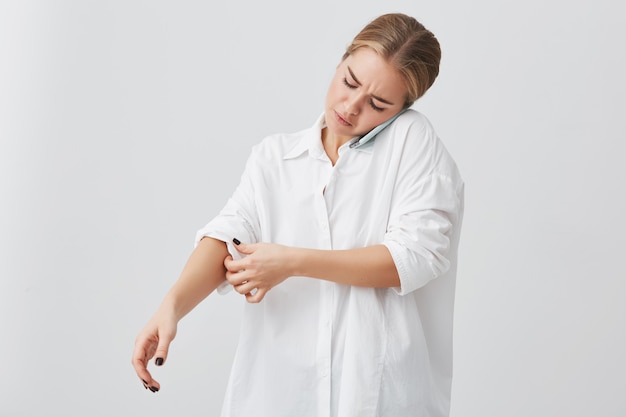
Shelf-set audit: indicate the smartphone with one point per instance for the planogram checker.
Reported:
(370, 135)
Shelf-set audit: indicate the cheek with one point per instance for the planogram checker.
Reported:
(337, 90)
(372, 115)
(372, 119)
(333, 93)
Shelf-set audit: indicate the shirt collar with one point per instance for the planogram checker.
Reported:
(311, 141)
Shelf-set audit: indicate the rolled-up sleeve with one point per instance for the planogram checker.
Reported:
(238, 219)
(423, 224)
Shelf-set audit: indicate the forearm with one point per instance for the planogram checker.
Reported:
(202, 273)
(371, 266)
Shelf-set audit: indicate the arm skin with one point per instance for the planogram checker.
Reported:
(203, 272)
(267, 265)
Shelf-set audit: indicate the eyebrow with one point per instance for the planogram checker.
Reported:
(359, 83)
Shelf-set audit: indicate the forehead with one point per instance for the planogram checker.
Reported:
(372, 70)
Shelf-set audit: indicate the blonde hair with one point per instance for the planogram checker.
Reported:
(406, 44)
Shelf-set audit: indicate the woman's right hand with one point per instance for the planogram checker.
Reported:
(153, 342)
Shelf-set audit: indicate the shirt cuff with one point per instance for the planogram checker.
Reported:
(225, 232)
(413, 271)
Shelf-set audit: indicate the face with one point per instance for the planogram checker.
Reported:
(365, 91)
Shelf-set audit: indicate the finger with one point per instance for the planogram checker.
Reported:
(152, 385)
(141, 356)
(160, 356)
(243, 248)
(140, 364)
(237, 277)
(234, 265)
(256, 297)
(245, 288)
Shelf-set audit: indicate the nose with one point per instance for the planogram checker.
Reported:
(352, 105)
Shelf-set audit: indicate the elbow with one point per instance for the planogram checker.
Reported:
(417, 266)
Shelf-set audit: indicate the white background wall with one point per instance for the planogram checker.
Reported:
(124, 126)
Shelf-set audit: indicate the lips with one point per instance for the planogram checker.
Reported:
(342, 120)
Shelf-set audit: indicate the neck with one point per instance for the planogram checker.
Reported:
(332, 143)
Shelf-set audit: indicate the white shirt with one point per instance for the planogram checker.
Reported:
(316, 348)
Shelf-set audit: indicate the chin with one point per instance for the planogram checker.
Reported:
(341, 131)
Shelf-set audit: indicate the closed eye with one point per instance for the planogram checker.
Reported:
(375, 107)
(352, 86)
(371, 102)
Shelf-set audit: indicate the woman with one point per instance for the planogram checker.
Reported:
(335, 240)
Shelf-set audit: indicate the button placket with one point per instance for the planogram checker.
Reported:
(324, 352)
(324, 329)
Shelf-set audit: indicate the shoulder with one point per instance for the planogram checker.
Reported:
(413, 135)
(278, 145)
(413, 126)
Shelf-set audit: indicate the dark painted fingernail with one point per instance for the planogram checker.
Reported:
(236, 241)
(145, 386)
(159, 361)
(154, 389)
(145, 382)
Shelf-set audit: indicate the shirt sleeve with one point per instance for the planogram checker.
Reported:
(238, 219)
(427, 208)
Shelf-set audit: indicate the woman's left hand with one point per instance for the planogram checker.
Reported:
(265, 266)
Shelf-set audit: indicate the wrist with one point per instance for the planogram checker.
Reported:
(295, 262)
(301, 260)
(172, 307)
